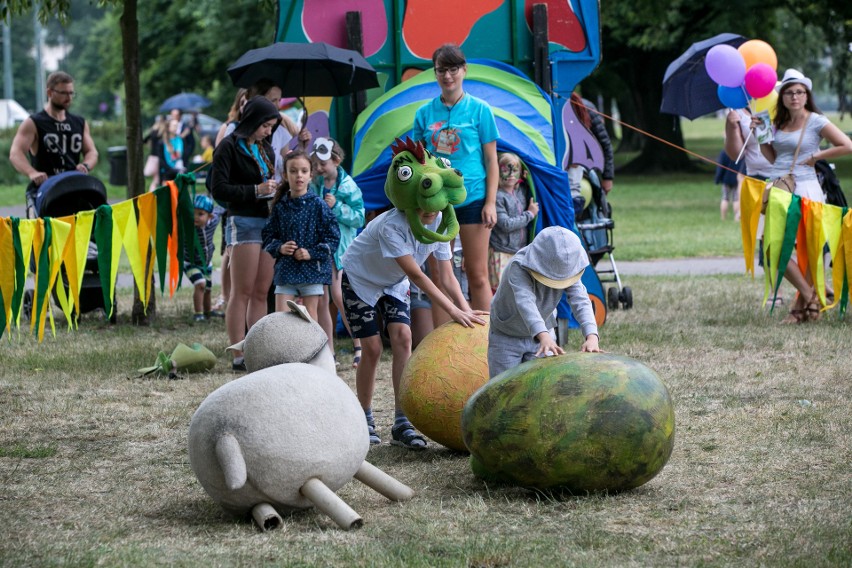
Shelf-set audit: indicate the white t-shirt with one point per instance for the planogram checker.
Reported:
(370, 261)
(757, 165)
(785, 146)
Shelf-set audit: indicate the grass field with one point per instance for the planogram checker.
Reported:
(94, 467)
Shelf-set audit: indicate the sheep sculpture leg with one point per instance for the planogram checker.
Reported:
(373, 477)
(266, 517)
(329, 503)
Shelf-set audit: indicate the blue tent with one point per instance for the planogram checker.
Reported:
(524, 115)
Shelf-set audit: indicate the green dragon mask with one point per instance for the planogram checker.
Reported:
(417, 180)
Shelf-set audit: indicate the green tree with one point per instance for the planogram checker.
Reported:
(641, 39)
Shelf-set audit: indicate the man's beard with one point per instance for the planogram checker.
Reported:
(58, 106)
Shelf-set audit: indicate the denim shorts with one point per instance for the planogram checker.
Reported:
(419, 301)
(362, 316)
(470, 214)
(299, 289)
(245, 230)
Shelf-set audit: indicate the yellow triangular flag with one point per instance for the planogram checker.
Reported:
(26, 231)
(82, 238)
(774, 226)
(124, 216)
(815, 241)
(147, 205)
(60, 231)
(7, 274)
(751, 195)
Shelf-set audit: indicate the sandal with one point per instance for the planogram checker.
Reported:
(405, 435)
(375, 440)
(357, 358)
(813, 310)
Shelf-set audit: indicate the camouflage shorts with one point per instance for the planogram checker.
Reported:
(363, 320)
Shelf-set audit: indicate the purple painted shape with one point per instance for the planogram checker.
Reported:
(317, 125)
(325, 20)
(582, 149)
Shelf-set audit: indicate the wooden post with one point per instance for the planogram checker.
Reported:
(355, 39)
(541, 61)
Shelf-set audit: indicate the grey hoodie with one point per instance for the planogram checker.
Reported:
(522, 306)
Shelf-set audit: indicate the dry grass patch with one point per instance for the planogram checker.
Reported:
(94, 467)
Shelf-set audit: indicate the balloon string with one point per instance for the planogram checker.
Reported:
(649, 135)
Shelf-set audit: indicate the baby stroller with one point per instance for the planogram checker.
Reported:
(62, 195)
(595, 224)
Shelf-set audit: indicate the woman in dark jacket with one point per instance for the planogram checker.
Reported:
(243, 177)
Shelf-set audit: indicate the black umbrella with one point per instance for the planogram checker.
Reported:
(688, 90)
(185, 102)
(305, 69)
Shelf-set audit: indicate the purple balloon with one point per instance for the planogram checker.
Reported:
(732, 97)
(725, 65)
(760, 80)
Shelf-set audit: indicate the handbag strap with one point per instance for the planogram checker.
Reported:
(799, 145)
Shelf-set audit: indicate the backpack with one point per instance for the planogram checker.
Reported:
(830, 184)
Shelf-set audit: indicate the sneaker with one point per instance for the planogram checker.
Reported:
(239, 366)
(215, 314)
(199, 317)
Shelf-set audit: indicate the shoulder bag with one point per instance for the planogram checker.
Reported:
(787, 182)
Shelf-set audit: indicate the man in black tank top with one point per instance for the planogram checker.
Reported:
(55, 140)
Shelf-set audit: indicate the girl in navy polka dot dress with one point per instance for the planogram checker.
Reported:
(301, 235)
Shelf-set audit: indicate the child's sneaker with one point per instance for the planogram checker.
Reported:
(199, 317)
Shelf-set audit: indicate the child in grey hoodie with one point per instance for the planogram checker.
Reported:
(523, 311)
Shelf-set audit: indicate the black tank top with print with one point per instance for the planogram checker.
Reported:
(60, 143)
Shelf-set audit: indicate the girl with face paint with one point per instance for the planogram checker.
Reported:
(515, 211)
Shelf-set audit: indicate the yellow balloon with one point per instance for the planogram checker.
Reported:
(769, 102)
(757, 51)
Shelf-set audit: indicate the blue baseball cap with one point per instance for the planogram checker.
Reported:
(203, 202)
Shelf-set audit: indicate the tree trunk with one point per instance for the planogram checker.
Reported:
(133, 117)
(646, 94)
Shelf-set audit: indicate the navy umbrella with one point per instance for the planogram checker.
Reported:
(688, 90)
(190, 102)
(305, 69)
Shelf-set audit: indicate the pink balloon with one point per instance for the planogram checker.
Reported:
(760, 80)
(725, 65)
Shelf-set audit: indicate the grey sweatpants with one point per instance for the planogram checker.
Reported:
(506, 352)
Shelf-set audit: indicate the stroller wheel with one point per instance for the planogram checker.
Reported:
(612, 298)
(27, 304)
(627, 298)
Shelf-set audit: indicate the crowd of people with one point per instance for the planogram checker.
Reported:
(293, 228)
(293, 221)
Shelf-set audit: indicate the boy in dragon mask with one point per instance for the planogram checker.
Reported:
(381, 262)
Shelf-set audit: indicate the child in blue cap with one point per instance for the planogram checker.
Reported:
(198, 263)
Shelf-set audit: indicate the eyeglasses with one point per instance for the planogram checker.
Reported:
(454, 70)
(64, 93)
(792, 94)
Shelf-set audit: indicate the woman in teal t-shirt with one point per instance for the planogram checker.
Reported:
(461, 128)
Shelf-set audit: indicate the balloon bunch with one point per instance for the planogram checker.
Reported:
(745, 75)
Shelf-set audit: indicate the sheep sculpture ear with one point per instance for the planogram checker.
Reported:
(236, 346)
(231, 460)
(299, 310)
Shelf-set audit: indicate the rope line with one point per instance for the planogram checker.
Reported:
(649, 135)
